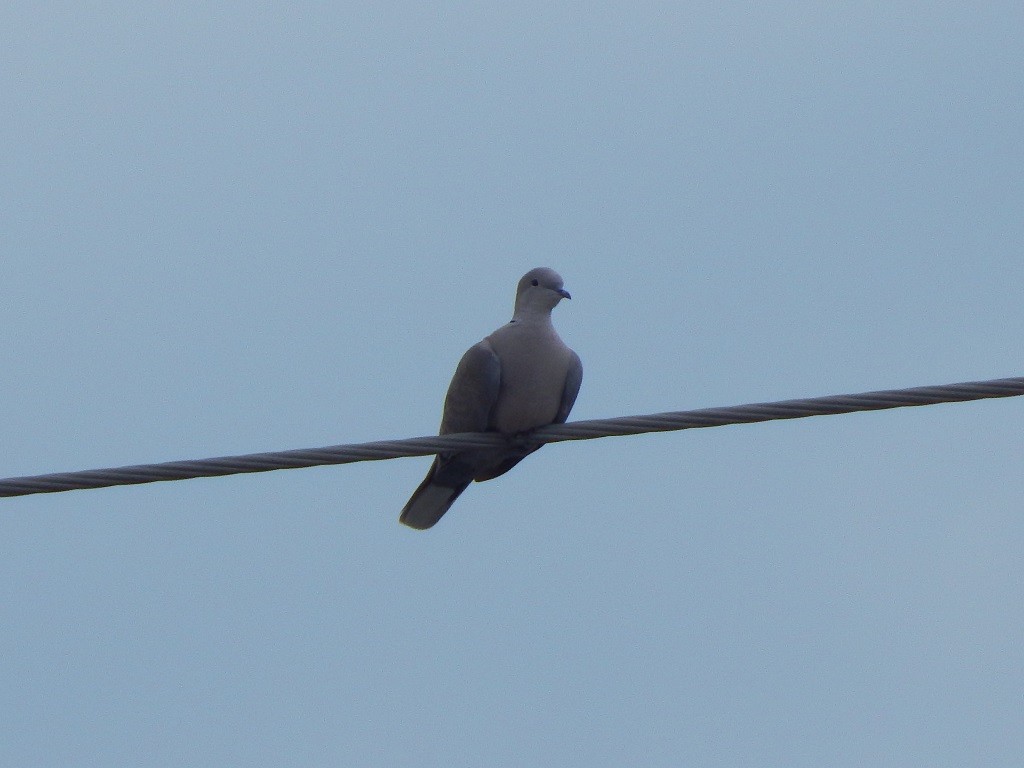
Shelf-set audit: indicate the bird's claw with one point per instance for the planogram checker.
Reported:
(523, 441)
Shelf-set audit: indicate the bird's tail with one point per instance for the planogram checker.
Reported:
(430, 501)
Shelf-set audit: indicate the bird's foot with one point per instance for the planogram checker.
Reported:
(524, 441)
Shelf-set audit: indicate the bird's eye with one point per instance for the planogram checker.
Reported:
(535, 281)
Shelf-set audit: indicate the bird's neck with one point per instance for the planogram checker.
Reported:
(532, 316)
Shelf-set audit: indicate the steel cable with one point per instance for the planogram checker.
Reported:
(577, 430)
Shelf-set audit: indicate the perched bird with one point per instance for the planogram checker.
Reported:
(519, 378)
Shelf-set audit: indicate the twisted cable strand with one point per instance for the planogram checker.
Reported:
(577, 430)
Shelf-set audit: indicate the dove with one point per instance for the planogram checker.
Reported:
(519, 378)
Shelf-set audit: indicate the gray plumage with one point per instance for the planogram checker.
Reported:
(519, 378)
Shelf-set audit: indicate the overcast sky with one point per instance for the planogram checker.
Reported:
(247, 227)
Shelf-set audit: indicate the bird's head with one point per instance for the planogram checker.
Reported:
(539, 290)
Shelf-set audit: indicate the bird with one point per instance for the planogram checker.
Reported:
(519, 378)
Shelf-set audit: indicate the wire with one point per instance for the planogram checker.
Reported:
(578, 430)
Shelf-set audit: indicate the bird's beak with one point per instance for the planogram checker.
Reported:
(564, 293)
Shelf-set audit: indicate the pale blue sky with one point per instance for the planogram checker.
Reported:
(248, 227)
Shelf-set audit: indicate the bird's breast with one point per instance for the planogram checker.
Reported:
(533, 372)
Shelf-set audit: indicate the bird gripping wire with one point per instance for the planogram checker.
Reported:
(577, 430)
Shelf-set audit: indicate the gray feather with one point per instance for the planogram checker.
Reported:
(519, 378)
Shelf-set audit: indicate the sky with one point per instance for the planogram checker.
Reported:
(247, 227)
